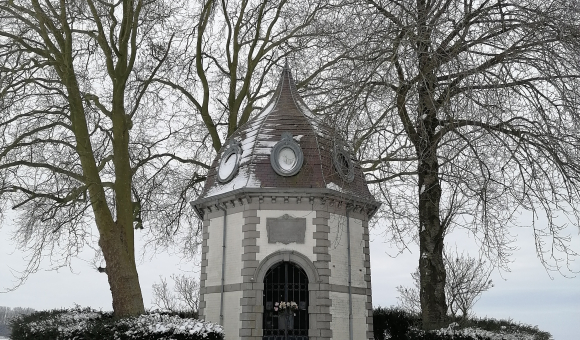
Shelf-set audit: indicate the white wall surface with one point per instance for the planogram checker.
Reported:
(234, 250)
(340, 320)
(212, 307)
(232, 310)
(339, 253)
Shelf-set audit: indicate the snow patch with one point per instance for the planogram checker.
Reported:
(334, 186)
(239, 181)
(77, 321)
(477, 333)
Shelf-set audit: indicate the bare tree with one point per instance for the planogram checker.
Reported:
(187, 290)
(230, 53)
(463, 113)
(467, 279)
(112, 112)
(84, 139)
(163, 297)
(183, 298)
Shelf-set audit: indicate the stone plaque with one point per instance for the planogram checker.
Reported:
(286, 229)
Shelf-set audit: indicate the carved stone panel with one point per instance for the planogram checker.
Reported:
(286, 229)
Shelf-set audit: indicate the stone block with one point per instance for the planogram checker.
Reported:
(245, 332)
(326, 333)
(252, 219)
(321, 294)
(248, 271)
(322, 243)
(247, 301)
(248, 242)
(320, 220)
(322, 228)
(249, 257)
(249, 227)
(250, 213)
(322, 214)
(252, 234)
(249, 293)
(313, 333)
(320, 235)
(320, 250)
(251, 249)
(249, 324)
(321, 264)
(248, 317)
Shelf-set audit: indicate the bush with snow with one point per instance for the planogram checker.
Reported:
(88, 324)
(397, 324)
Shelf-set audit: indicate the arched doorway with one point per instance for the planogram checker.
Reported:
(285, 303)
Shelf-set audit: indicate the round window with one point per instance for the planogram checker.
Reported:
(229, 163)
(286, 157)
(343, 163)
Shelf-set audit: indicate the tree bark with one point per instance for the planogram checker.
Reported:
(431, 232)
(121, 274)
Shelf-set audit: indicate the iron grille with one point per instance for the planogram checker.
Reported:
(285, 282)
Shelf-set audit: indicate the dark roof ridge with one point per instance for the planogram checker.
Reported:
(272, 102)
(297, 102)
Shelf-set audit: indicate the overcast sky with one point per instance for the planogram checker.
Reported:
(527, 294)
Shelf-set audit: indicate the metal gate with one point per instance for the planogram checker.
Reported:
(285, 303)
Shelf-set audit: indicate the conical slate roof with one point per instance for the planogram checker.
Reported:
(327, 164)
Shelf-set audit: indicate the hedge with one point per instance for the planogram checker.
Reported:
(396, 324)
(89, 324)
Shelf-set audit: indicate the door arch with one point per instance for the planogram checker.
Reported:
(285, 283)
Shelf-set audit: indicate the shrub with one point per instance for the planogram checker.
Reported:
(393, 323)
(89, 324)
(396, 324)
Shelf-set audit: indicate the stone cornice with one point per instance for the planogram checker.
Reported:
(284, 195)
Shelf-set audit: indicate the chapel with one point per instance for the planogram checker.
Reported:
(285, 212)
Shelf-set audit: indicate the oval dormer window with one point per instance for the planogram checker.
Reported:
(286, 157)
(229, 162)
(343, 162)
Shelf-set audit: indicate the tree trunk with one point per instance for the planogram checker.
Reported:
(122, 274)
(431, 232)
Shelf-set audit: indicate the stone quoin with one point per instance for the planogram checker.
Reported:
(285, 212)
